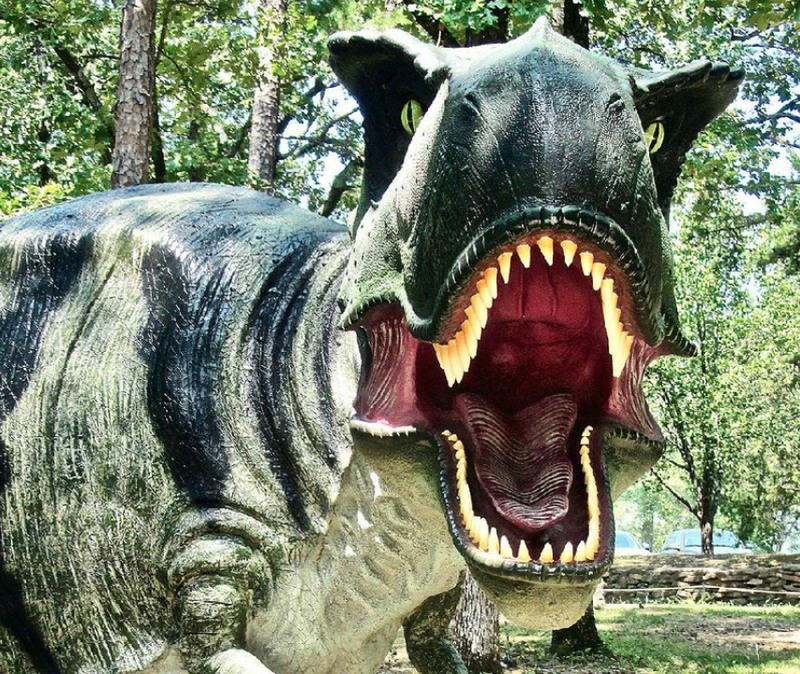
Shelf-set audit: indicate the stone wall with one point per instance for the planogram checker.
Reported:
(736, 579)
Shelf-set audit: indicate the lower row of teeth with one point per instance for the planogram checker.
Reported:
(456, 356)
(486, 538)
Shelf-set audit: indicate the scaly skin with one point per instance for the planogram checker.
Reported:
(182, 486)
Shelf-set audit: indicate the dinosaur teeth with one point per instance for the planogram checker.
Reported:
(587, 260)
(546, 247)
(592, 497)
(456, 356)
(569, 248)
(524, 252)
(497, 546)
(505, 266)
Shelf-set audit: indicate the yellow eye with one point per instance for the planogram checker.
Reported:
(410, 116)
(654, 136)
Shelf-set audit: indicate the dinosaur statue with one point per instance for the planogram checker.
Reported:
(237, 439)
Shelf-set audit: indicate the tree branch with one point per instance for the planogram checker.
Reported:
(782, 112)
(319, 138)
(682, 500)
(244, 134)
(341, 183)
(436, 29)
(318, 87)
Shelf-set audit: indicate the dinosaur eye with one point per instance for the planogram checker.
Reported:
(654, 136)
(410, 116)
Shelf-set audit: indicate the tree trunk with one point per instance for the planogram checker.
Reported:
(266, 99)
(568, 21)
(707, 531)
(475, 630)
(44, 135)
(135, 94)
(581, 637)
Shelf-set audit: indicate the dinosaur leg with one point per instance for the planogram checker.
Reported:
(217, 574)
(425, 630)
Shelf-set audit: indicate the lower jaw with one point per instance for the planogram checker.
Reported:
(588, 557)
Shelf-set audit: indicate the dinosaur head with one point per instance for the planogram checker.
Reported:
(511, 279)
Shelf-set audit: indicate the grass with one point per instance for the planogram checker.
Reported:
(664, 639)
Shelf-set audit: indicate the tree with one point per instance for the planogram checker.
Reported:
(135, 105)
(262, 158)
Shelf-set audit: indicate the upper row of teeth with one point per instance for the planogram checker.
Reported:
(486, 538)
(456, 356)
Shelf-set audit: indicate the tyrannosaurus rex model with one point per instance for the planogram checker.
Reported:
(237, 440)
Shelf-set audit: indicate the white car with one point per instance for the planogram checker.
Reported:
(688, 542)
(627, 545)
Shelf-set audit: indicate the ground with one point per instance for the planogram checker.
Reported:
(662, 639)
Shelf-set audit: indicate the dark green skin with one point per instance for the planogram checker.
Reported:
(180, 486)
(560, 131)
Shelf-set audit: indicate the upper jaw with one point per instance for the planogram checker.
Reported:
(433, 319)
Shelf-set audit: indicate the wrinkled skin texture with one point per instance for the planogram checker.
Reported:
(183, 487)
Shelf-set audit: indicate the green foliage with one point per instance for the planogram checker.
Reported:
(733, 409)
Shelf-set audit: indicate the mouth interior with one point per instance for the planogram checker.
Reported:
(515, 412)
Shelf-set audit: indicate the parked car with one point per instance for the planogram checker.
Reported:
(689, 542)
(626, 545)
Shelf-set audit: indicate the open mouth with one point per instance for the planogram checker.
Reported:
(540, 358)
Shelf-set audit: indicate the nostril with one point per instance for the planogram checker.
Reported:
(471, 102)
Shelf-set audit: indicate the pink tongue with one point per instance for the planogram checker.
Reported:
(521, 460)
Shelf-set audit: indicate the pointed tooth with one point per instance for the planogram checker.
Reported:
(457, 444)
(546, 247)
(453, 438)
(593, 503)
(483, 534)
(471, 339)
(474, 321)
(486, 295)
(580, 553)
(455, 360)
(569, 248)
(505, 548)
(471, 528)
(494, 543)
(524, 252)
(447, 366)
(566, 554)
(490, 275)
(593, 541)
(625, 351)
(547, 554)
(505, 265)
(461, 472)
(467, 501)
(463, 351)
(607, 291)
(440, 357)
(481, 312)
(523, 555)
(587, 260)
(598, 272)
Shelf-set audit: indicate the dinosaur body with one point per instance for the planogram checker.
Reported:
(238, 439)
